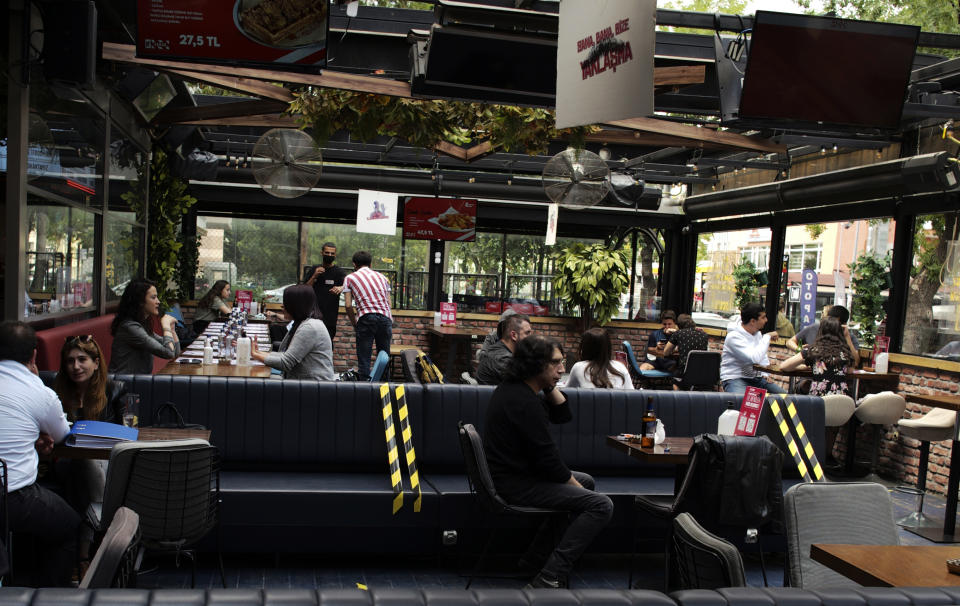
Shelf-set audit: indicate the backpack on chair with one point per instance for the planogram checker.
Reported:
(427, 370)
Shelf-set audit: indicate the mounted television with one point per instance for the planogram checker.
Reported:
(804, 70)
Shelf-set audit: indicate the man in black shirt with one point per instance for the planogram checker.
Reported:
(327, 282)
(526, 465)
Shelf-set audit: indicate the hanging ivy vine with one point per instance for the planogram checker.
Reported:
(426, 122)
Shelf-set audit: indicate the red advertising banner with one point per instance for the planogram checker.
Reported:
(279, 34)
(440, 219)
(448, 314)
(881, 345)
(493, 307)
(750, 409)
(242, 299)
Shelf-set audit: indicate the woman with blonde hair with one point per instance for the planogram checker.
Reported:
(596, 368)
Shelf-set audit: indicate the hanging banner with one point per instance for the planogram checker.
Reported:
(605, 60)
(255, 33)
(376, 212)
(553, 213)
(440, 219)
(808, 298)
(839, 289)
(719, 292)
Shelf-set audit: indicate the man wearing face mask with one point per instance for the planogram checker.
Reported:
(327, 282)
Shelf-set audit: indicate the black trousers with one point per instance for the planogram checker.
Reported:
(590, 513)
(54, 525)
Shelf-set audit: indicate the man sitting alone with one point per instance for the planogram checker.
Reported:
(494, 363)
(525, 463)
(743, 347)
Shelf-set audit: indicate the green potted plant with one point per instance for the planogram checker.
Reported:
(591, 278)
(870, 275)
(745, 282)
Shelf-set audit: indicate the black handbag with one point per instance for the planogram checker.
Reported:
(177, 422)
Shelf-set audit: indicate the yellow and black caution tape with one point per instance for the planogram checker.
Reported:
(392, 457)
(407, 435)
(805, 442)
(792, 444)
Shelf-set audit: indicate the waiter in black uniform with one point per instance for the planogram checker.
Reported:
(327, 282)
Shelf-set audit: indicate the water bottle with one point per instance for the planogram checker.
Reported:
(727, 423)
(243, 349)
(207, 352)
(881, 362)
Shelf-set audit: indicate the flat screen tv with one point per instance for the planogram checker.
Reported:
(811, 70)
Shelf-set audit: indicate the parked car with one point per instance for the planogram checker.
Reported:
(275, 295)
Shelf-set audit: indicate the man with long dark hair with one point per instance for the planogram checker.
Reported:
(526, 465)
(33, 420)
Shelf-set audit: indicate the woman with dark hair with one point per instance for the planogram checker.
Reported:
(306, 352)
(134, 342)
(211, 306)
(828, 357)
(82, 384)
(596, 368)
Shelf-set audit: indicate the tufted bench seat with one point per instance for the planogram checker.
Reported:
(304, 465)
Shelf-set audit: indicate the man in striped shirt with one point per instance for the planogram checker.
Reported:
(371, 291)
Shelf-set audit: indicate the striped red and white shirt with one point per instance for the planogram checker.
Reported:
(370, 290)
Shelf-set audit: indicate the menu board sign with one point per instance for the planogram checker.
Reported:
(448, 313)
(750, 411)
(279, 34)
(440, 219)
(242, 299)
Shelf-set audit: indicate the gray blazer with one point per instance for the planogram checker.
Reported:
(134, 348)
(308, 355)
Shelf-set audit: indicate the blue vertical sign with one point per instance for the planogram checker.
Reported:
(808, 298)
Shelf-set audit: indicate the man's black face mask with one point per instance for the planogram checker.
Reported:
(329, 258)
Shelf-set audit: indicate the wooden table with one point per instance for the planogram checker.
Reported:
(215, 370)
(672, 451)
(890, 565)
(855, 375)
(457, 335)
(144, 434)
(949, 533)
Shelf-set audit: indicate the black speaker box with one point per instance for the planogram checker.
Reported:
(70, 42)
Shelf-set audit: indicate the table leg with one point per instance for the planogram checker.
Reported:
(948, 533)
(451, 359)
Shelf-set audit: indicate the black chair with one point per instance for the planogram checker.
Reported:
(408, 364)
(704, 560)
(732, 486)
(485, 493)
(114, 564)
(174, 486)
(702, 371)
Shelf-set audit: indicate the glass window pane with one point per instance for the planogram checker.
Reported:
(646, 298)
(716, 292)
(60, 257)
(123, 243)
(125, 160)
(932, 322)
(472, 276)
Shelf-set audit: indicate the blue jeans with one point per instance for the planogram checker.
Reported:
(371, 328)
(740, 385)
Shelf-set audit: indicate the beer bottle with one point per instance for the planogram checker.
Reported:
(648, 438)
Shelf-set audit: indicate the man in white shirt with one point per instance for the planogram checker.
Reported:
(743, 347)
(31, 420)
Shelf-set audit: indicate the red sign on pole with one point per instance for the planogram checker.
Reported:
(440, 219)
(448, 314)
(750, 409)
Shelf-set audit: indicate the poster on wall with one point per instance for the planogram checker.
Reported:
(278, 34)
(605, 60)
(440, 219)
(376, 212)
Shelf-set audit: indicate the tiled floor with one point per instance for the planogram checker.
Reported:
(594, 571)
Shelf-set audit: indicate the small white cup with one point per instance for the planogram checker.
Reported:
(436, 318)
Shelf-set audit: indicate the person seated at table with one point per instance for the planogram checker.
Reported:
(134, 342)
(493, 337)
(596, 368)
(687, 338)
(828, 357)
(743, 347)
(809, 333)
(493, 366)
(306, 352)
(657, 341)
(86, 393)
(211, 306)
(526, 465)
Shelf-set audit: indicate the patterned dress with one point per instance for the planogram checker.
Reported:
(829, 375)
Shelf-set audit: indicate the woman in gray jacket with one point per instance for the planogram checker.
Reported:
(306, 352)
(134, 342)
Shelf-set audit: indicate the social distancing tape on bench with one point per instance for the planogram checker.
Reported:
(391, 437)
(407, 435)
(784, 425)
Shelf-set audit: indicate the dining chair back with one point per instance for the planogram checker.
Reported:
(854, 513)
(702, 370)
(704, 560)
(114, 563)
(380, 366)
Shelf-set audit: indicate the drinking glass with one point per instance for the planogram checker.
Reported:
(131, 409)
